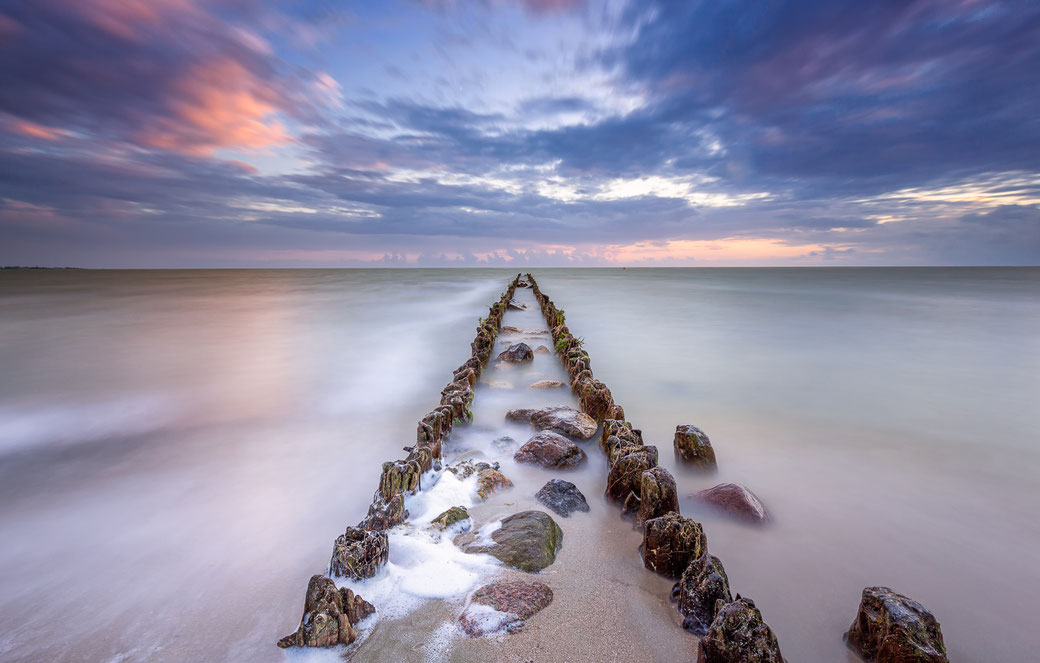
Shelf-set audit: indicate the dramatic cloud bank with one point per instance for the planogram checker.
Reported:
(143, 133)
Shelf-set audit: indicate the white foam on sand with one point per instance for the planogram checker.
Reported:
(445, 491)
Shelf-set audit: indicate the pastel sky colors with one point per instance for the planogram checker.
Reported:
(192, 133)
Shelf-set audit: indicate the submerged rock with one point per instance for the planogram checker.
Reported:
(563, 497)
(520, 416)
(528, 541)
(503, 443)
(892, 628)
(542, 350)
(565, 420)
(693, 447)
(329, 616)
(511, 603)
(550, 450)
(516, 306)
(548, 384)
(670, 542)
(499, 384)
(358, 553)
(703, 583)
(490, 481)
(455, 514)
(733, 499)
(657, 495)
(509, 329)
(517, 353)
(738, 635)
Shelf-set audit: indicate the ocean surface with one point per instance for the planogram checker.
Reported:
(179, 449)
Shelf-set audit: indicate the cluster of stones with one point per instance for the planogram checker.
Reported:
(330, 614)
(889, 627)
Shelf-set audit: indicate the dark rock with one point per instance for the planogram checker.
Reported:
(548, 384)
(702, 584)
(892, 628)
(358, 553)
(670, 542)
(565, 420)
(563, 497)
(550, 450)
(329, 616)
(455, 514)
(616, 434)
(491, 481)
(595, 398)
(733, 499)
(516, 600)
(693, 447)
(517, 353)
(626, 471)
(657, 495)
(738, 635)
(528, 541)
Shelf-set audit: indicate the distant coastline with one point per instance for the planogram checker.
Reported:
(35, 267)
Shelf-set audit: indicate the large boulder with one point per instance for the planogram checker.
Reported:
(738, 635)
(358, 553)
(693, 448)
(550, 450)
(670, 542)
(329, 616)
(563, 497)
(657, 495)
(892, 628)
(735, 500)
(528, 541)
(565, 420)
(517, 353)
(703, 583)
(490, 481)
(503, 606)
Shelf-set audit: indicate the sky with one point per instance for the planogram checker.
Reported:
(258, 133)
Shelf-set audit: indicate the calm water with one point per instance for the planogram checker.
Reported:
(178, 449)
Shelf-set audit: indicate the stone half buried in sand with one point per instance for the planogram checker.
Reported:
(528, 541)
(892, 628)
(517, 353)
(738, 635)
(329, 616)
(670, 543)
(358, 553)
(563, 497)
(735, 500)
(503, 606)
(550, 450)
(693, 448)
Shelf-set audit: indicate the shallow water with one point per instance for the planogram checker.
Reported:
(178, 450)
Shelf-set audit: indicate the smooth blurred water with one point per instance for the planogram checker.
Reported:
(178, 449)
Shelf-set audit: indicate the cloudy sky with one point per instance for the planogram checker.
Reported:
(168, 133)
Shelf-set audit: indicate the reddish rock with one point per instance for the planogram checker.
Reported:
(550, 450)
(514, 602)
(733, 499)
(565, 420)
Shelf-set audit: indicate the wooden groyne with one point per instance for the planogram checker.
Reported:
(889, 627)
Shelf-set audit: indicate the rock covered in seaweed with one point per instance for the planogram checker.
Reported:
(561, 496)
(528, 541)
(455, 514)
(703, 583)
(733, 499)
(893, 628)
(517, 353)
(358, 553)
(329, 616)
(550, 450)
(670, 542)
(399, 477)
(693, 448)
(503, 606)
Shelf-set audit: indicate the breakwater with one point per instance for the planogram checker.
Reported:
(727, 628)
